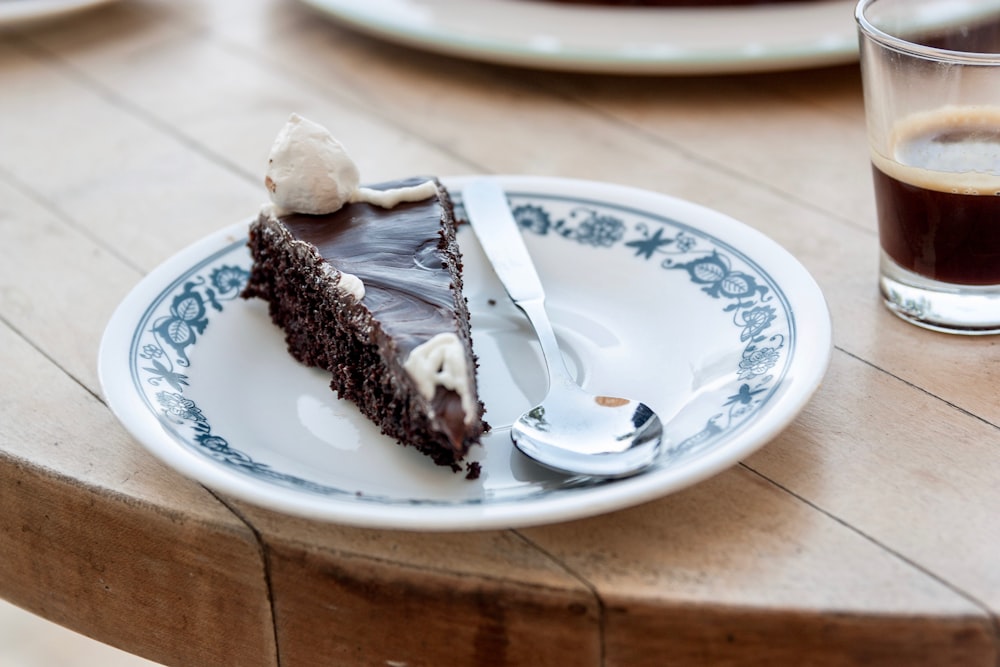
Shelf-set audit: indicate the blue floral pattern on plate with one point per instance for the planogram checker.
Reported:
(761, 316)
(762, 322)
(159, 358)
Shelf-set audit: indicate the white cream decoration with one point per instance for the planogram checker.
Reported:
(352, 285)
(308, 170)
(441, 361)
(394, 196)
(348, 283)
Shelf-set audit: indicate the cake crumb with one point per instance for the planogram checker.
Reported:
(473, 470)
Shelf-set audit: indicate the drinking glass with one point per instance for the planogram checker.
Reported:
(931, 76)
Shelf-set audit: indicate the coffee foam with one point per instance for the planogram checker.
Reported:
(961, 169)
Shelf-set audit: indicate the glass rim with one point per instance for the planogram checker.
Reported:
(869, 30)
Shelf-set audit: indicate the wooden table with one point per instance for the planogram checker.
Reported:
(867, 533)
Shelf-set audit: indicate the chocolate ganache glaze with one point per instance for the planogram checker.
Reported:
(400, 263)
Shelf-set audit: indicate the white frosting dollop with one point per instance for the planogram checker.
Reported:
(441, 361)
(308, 170)
(348, 283)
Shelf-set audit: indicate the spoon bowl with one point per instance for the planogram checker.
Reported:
(571, 430)
(608, 436)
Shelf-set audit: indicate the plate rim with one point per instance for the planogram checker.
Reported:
(17, 14)
(838, 47)
(135, 417)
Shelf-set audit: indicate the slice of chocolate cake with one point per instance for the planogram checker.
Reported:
(366, 283)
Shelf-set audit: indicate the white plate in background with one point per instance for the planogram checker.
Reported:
(23, 12)
(621, 40)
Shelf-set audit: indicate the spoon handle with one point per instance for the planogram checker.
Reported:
(500, 237)
(555, 363)
(487, 209)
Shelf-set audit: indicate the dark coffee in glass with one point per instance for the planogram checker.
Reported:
(938, 196)
(931, 75)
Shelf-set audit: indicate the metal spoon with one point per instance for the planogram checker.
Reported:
(571, 430)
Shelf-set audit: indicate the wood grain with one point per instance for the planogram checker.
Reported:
(366, 597)
(100, 538)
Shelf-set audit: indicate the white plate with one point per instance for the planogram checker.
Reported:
(624, 40)
(20, 12)
(716, 327)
